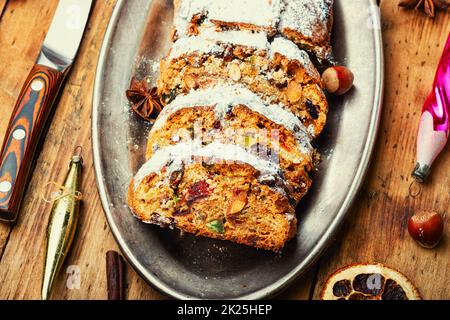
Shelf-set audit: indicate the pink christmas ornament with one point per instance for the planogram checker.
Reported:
(434, 125)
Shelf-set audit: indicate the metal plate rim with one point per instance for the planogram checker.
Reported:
(319, 248)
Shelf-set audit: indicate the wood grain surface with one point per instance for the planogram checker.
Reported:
(375, 231)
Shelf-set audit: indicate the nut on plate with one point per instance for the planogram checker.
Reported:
(338, 80)
(427, 228)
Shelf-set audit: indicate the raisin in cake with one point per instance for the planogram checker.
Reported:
(230, 156)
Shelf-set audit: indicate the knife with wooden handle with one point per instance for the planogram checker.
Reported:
(35, 103)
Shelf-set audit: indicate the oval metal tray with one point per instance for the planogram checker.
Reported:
(189, 267)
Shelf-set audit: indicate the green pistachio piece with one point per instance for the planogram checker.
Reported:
(216, 225)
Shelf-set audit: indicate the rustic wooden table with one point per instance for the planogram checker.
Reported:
(375, 231)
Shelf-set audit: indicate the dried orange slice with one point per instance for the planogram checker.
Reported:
(369, 282)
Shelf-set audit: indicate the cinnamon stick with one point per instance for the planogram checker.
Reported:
(115, 276)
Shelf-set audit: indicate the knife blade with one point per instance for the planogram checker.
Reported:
(35, 102)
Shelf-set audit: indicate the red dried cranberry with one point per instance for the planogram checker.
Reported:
(198, 190)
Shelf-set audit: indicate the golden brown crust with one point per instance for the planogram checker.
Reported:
(222, 201)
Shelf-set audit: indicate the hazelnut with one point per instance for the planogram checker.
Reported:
(294, 92)
(426, 228)
(234, 72)
(338, 80)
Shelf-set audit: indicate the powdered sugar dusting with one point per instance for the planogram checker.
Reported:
(257, 40)
(194, 44)
(307, 17)
(261, 13)
(185, 151)
(223, 96)
(211, 41)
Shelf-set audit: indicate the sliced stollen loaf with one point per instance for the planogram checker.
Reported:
(309, 23)
(278, 71)
(230, 155)
(231, 113)
(219, 191)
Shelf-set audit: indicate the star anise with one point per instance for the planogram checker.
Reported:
(429, 6)
(144, 101)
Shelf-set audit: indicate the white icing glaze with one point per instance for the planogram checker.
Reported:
(184, 152)
(261, 13)
(223, 96)
(257, 40)
(210, 41)
(307, 17)
(194, 44)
